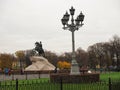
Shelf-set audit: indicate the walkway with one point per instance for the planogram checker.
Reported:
(24, 76)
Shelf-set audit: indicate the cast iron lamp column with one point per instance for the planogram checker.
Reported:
(75, 25)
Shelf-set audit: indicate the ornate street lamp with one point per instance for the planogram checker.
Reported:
(75, 25)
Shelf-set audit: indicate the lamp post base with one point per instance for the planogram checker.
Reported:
(74, 68)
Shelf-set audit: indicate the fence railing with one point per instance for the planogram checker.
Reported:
(46, 85)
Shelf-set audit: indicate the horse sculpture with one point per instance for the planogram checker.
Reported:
(39, 49)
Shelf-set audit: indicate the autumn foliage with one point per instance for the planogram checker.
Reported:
(20, 54)
(6, 61)
(63, 65)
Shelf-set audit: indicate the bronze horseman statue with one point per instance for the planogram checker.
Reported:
(39, 49)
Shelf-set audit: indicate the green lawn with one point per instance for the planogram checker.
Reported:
(112, 75)
(44, 84)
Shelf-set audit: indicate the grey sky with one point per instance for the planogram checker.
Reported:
(23, 22)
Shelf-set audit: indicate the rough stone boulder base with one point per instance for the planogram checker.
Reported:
(39, 63)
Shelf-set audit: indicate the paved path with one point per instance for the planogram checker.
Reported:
(24, 76)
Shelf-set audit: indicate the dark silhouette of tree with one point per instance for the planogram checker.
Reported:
(82, 57)
(97, 52)
(52, 57)
(115, 49)
(103, 53)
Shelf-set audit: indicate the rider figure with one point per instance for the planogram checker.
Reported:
(39, 48)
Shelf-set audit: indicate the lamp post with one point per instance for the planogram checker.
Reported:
(75, 25)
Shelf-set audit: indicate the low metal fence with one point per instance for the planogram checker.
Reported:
(47, 85)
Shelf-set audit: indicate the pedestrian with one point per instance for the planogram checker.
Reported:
(6, 71)
(9, 72)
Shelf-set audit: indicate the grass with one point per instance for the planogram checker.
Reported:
(113, 75)
(55, 86)
(44, 84)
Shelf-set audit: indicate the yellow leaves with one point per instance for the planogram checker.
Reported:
(63, 65)
(6, 60)
(20, 54)
(60, 65)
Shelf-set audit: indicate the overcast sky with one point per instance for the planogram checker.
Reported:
(23, 22)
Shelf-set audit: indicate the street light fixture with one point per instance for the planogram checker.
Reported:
(75, 25)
